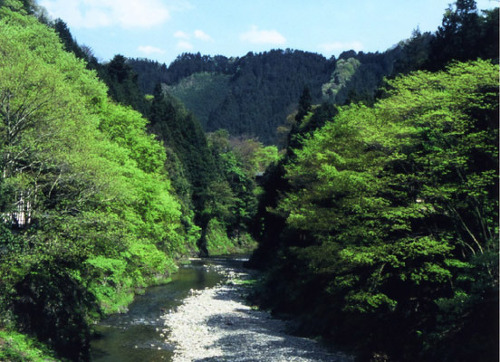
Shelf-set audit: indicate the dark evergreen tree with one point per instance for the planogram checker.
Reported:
(123, 83)
(464, 35)
(181, 132)
(251, 95)
(67, 39)
(150, 73)
(305, 104)
(414, 52)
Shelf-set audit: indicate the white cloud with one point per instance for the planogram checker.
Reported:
(148, 50)
(256, 36)
(197, 34)
(200, 34)
(338, 46)
(181, 35)
(184, 45)
(103, 13)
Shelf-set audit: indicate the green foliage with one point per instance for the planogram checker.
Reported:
(392, 218)
(264, 157)
(465, 34)
(252, 96)
(249, 96)
(54, 305)
(344, 70)
(387, 214)
(123, 83)
(151, 73)
(88, 210)
(218, 243)
(17, 347)
(415, 52)
(70, 43)
(183, 134)
(193, 92)
(237, 161)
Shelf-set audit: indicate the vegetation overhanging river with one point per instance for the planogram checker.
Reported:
(138, 334)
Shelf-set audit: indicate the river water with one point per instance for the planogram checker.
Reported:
(137, 335)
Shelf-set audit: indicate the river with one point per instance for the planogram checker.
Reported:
(137, 335)
(198, 318)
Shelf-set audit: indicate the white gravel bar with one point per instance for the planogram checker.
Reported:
(216, 324)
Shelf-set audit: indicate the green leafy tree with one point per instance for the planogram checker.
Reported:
(391, 217)
(233, 193)
(88, 210)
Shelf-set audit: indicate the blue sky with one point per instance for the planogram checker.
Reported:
(163, 29)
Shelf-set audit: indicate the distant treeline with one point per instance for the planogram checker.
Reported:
(379, 227)
(253, 95)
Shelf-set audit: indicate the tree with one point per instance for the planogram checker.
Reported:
(88, 212)
(464, 35)
(305, 104)
(181, 132)
(236, 166)
(391, 212)
(69, 43)
(123, 83)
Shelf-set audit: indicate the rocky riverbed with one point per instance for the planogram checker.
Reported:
(216, 324)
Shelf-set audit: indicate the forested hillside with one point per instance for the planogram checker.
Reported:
(379, 226)
(253, 95)
(97, 200)
(250, 96)
(88, 211)
(195, 165)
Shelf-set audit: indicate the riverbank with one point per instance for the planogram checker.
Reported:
(216, 324)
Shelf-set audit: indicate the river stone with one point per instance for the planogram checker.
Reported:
(215, 324)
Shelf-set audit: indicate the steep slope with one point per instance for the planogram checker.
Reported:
(251, 95)
(88, 211)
